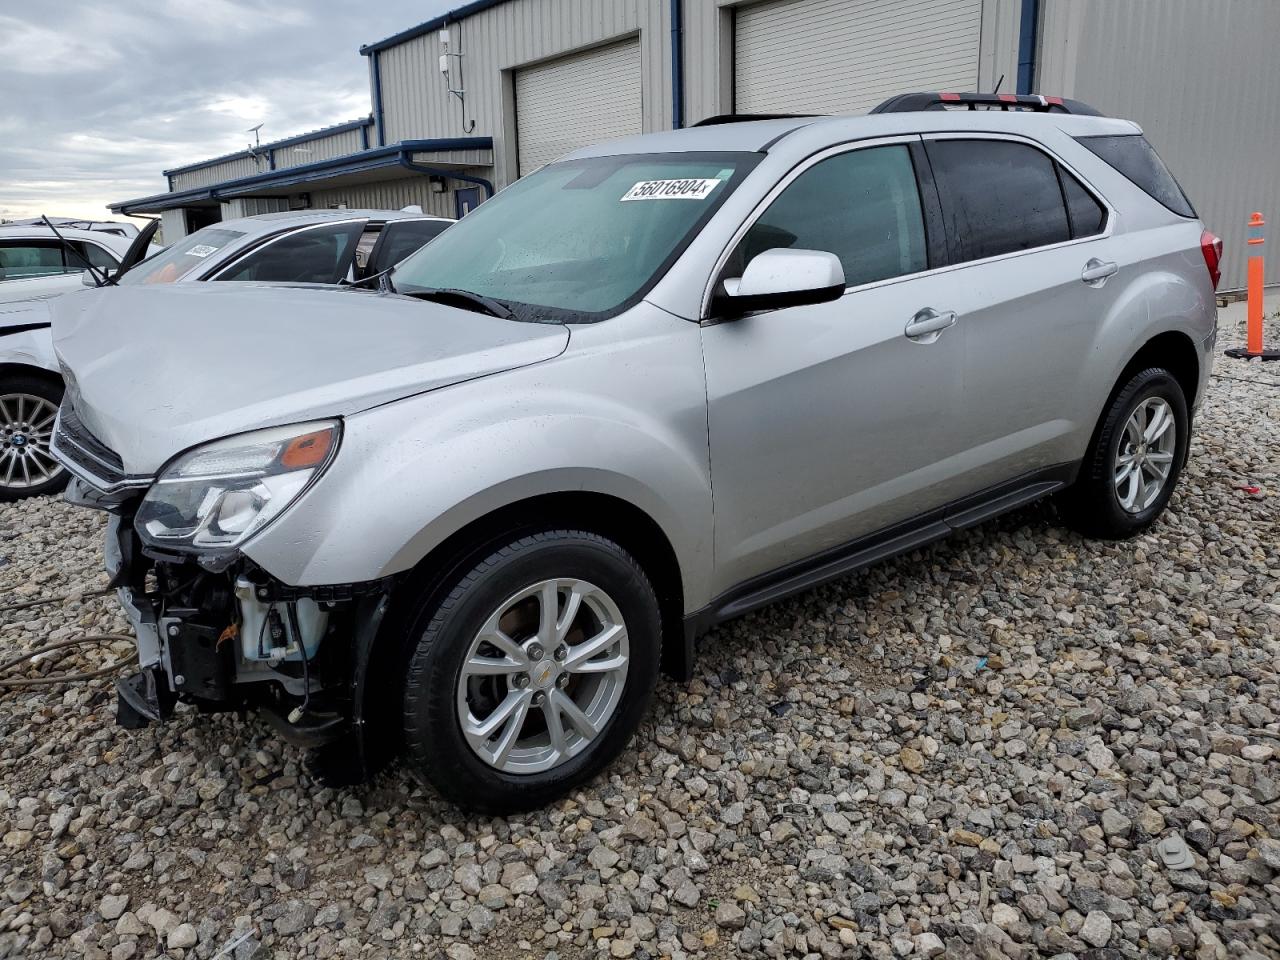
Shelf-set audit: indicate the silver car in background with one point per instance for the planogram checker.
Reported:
(650, 387)
(302, 246)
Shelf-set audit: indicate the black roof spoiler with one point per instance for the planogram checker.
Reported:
(750, 117)
(1030, 102)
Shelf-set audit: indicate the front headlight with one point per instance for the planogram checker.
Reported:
(212, 499)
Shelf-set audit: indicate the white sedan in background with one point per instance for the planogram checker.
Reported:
(34, 263)
(304, 246)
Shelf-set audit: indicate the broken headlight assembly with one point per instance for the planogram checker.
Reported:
(211, 499)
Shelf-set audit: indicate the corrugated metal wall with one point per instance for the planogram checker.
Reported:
(577, 100)
(416, 101)
(322, 148)
(239, 166)
(388, 195)
(709, 45)
(832, 56)
(1202, 79)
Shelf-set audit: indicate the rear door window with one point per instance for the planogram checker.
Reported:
(314, 255)
(400, 238)
(1138, 161)
(863, 206)
(997, 197)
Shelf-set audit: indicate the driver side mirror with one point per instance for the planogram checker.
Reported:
(784, 278)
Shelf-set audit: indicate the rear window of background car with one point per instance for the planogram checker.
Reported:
(1138, 161)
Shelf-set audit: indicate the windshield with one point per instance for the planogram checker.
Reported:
(582, 240)
(175, 262)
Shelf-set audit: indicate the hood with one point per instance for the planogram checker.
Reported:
(155, 370)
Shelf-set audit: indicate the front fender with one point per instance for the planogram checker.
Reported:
(620, 413)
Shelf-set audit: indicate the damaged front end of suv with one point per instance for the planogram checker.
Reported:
(215, 630)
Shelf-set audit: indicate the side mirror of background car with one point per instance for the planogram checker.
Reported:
(784, 278)
(89, 279)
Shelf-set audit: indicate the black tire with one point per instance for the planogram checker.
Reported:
(436, 748)
(1092, 505)
(47, 387)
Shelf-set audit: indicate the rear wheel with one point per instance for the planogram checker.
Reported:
(533, 672)
(1134, 459)
(28, 407)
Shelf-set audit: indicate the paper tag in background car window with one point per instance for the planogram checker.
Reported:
(201, 250)
(692, 189)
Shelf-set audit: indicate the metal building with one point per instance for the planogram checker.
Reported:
(465, 103)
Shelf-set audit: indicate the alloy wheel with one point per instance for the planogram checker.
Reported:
(1144, 456)
(26, 429)
(543, 676)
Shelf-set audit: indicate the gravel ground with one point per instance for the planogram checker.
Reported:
(971, 751)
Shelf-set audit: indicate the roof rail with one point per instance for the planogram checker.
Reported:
(1033, 102)
(749, 117)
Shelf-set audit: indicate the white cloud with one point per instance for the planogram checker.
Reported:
(126, 91)
(36, 49)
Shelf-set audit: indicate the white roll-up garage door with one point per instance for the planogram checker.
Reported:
(577, 100)
(845, 56)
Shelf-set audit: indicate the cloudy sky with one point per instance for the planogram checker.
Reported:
(97, 98)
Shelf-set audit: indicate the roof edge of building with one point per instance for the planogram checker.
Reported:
(274, 145)
(388, 156)
(427, 26)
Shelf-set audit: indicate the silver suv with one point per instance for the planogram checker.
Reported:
(650, 387)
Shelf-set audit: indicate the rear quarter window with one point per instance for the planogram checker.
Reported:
(1138, 161)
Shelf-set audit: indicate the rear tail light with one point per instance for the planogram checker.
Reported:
(1211, 247)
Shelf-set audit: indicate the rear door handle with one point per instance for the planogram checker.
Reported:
(1095, 271)
(927, 325)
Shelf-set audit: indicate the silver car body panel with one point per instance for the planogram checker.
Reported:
(24, 335)
(161, 369)
(573, 423)
(796, 430)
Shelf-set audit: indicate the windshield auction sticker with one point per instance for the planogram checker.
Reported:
(201, 250)
(671, 190)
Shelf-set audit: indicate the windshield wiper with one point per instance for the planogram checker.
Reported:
(465, 299)
(382, 278)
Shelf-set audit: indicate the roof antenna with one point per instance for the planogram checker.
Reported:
(100, 277)
(997, 87)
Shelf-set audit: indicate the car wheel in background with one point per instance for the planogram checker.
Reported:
(28, 407)
(1134, 459)
(533, 672)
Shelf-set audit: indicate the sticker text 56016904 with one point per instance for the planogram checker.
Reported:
(692, 189)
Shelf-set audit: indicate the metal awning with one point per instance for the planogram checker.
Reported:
(408, 158)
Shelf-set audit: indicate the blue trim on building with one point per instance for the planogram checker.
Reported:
(435, 23)
(407, 161)
(395, 155)
(1028, 28)
(380, 117)
(677, 64)
(275, 145)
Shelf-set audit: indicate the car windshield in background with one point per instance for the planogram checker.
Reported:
(582, 240)
(177, 261)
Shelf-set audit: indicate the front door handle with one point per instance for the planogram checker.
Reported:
(927, 325)
(1095, 271)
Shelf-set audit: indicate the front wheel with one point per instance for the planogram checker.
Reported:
(28, 408)
(533, 673)
(1134, 459)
